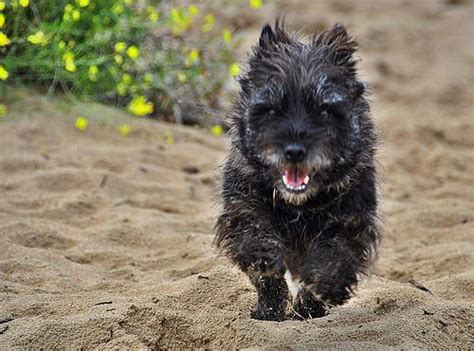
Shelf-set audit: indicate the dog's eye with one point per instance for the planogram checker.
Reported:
(271, 112)
(324, 114)
(330, 110)
(264, 110)
(324, 111)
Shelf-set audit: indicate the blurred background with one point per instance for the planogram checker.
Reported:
(112, 126)
(175, 60)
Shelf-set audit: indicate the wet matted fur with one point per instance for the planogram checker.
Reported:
(299, 182)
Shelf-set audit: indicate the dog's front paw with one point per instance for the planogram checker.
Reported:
(306, 306)
(334, 298)
(268, 314)
(330, 292)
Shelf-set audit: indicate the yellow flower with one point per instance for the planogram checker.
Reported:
(117, 9)
(68, 8)
(93, 73)
(181, 21)
(70, 66)
(38, 39)
(227, 35)
(68, 56)
(148, 78)
(118, 59)
(76, 15)
(209, 21)
(4, 39)
(175, 15)
(193, 10)
(169, 138)
(126, 78)
(121, 89)
(182, 77)
(24, 3)
(139, 106)
(69, 63)
(3, 110)
(255, 4)
(62, 45)
(234, 70)
(133, 52)
(217, 130)
(2, 20)
(120, 46)
(153, 15)
(124, 129)
(81, 123)
(83, 3)
(3, 73)
(2, 5)
(192, 58)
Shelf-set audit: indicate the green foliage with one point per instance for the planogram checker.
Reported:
(141, 54)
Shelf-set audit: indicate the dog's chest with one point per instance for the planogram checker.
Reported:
(298, 227)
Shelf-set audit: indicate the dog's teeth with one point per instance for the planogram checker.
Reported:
(295, 188)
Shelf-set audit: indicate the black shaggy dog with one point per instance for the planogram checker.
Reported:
(299, 182)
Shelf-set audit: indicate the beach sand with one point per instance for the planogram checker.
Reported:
(106, 241)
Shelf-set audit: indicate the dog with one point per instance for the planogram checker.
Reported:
(299, 193)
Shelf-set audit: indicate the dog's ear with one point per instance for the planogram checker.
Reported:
(267, 37)
(340, 45)
(271, 37)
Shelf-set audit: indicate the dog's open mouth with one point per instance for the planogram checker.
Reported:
(295, 178)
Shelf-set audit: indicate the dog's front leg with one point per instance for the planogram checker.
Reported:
(246, 236)
(244, 233)
(272, 297)
(336, 260)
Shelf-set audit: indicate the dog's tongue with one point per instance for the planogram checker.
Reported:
(296, 176)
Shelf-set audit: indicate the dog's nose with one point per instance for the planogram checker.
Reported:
(295, 152)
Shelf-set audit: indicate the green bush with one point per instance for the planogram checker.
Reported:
(143, 55)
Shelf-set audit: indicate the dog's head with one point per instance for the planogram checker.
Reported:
(302, 110)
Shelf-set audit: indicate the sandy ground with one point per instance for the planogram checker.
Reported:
(105, 242)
